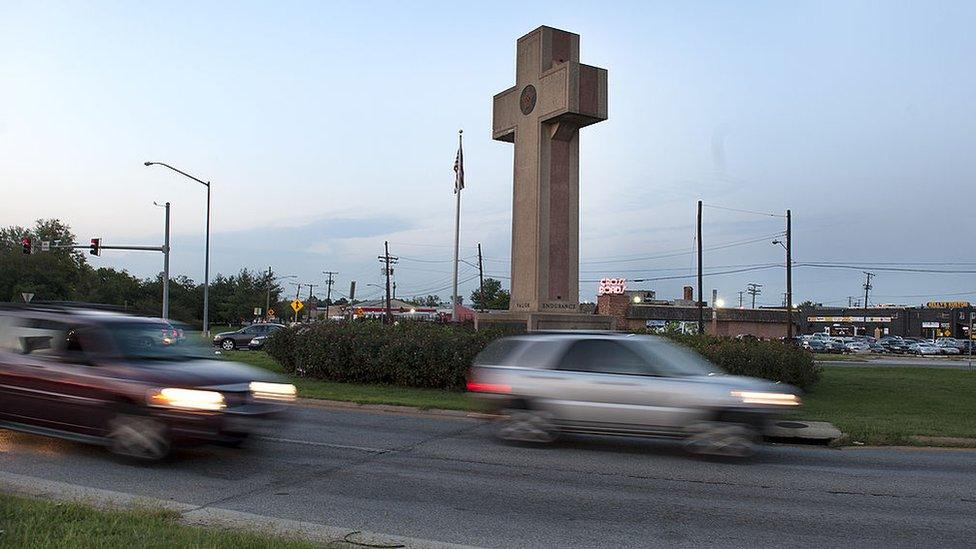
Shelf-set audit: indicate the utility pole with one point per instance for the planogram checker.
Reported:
(388, 261)
(789, 276)
(328, 292)
(481, 278)
(867, 288)
(308, 310)
(298, 290)
(754, 289)
(740, 298)
(701, 310)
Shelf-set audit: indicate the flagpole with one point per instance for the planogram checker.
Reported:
(457, 231)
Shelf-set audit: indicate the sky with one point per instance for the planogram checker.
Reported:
(329, 128)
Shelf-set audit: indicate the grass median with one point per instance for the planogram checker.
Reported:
(894, 405)
(871, 405)
(27, 522)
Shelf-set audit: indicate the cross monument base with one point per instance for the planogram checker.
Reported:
(534, 321)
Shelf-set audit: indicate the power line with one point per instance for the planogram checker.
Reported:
(887, 269)
(740, 210)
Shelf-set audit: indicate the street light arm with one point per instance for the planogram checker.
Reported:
(181, 172)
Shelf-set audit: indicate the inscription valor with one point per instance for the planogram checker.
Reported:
(527, 101)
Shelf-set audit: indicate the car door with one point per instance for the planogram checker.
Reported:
(610, 387)
(64, 389)
(245, 336)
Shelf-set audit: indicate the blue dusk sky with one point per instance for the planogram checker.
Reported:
(327, 128)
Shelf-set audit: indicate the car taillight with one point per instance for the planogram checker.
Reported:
(477, 387)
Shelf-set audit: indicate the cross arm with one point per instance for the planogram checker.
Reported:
(504, 114)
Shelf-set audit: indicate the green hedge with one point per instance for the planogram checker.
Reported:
(429, 355)
(411, 354)
(772, 360)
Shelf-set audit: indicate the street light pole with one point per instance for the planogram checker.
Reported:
(166, 267)
(206, 265)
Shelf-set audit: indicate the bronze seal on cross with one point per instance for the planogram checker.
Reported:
(527, 101)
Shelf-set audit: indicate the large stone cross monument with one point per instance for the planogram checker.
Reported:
(553, 97)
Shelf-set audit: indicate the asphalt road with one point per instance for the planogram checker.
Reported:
(445, 479)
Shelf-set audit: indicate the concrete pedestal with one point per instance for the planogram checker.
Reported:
(545, 321)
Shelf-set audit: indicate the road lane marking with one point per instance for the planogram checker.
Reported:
(329, 445)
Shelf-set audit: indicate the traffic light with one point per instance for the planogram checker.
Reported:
(26, 243)
(96, 246)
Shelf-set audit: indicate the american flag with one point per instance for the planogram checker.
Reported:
(459, 168)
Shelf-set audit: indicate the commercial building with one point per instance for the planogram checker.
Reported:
(933, 320)
(640, 310)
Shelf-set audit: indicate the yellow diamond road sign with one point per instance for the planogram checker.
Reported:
(297, 305)
(271, 312)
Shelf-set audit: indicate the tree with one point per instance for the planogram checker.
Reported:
(429, 300)
(493, 297)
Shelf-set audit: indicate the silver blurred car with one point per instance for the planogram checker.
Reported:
(622, 384)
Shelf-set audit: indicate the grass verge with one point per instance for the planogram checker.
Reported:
(36, 523)
(355, 392)
(894, 405)
(832, 357)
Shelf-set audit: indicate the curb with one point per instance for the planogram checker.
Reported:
(195, 515)
(391, 408)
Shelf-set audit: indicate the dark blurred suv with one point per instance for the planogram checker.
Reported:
(241, 339)
(121, 381)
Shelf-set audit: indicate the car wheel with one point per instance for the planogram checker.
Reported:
(227, 344)
(719, 438)
(138, 436)
(524, 425)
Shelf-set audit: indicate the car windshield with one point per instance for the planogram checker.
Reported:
(673, 359)
(151, 341)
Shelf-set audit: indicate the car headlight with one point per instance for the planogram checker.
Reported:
(187, 399)
(273, 391)
(256, 341)
(773, 399)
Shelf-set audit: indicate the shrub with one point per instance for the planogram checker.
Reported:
(412, 354)
(772, 360)
(437, 356)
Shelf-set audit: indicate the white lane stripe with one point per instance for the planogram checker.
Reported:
(327, 445)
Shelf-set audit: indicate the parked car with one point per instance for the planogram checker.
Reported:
(816, 345)
(878, 348)
(859, 347)
(240, 339)
(257, 343)
(622, 384)
(111, 379)
(836, 346)
(896, 346)
(947, 347)
(924, 348)
(951, 341)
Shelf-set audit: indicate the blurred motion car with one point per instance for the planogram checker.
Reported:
(115, 380)
(546, 384)
(241, 339)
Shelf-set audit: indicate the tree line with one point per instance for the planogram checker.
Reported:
(65, 275)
